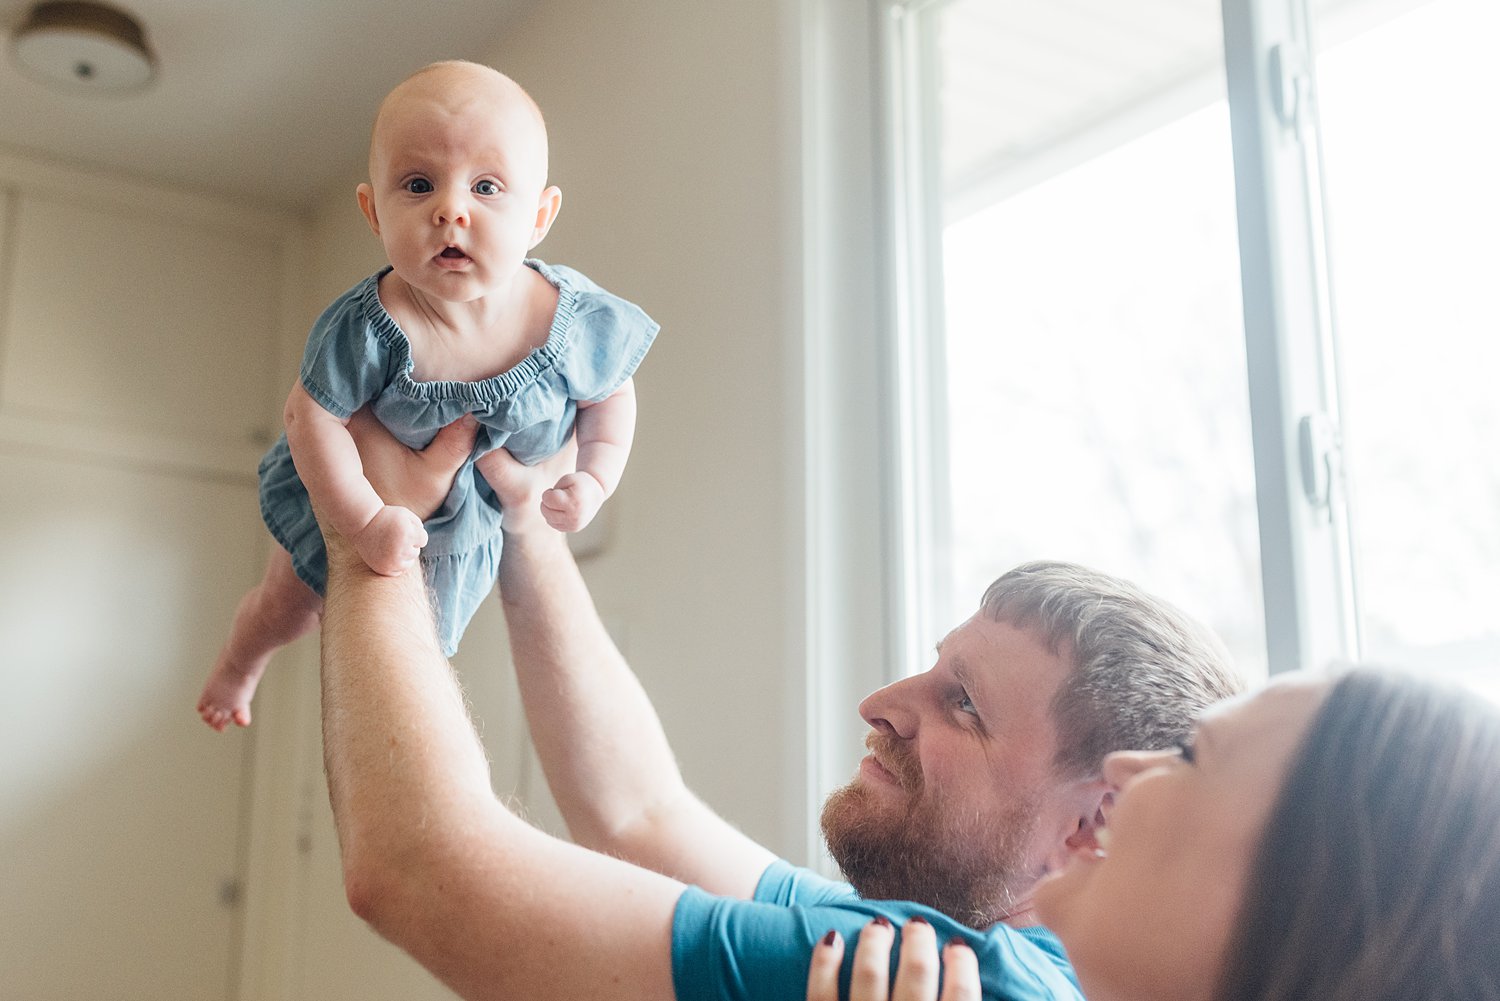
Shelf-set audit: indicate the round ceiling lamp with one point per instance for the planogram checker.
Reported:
(83, 46)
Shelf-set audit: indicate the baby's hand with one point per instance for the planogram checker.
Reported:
(392, 541)
(573, 502)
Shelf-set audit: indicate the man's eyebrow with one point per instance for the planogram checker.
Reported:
(961, 674)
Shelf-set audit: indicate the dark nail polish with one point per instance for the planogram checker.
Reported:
(882, 921)
(828, 939)
(917, 920)
(957, 940)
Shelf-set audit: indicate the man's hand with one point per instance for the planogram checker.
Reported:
(418, 481)
(519, 487)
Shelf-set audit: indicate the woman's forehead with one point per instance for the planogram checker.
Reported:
(1285, 707)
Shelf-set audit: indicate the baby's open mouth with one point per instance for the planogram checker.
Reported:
(452, 253)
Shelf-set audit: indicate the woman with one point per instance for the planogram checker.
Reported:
(1323, 839)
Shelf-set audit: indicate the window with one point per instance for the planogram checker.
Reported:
(1413, 213)
(1244, 366)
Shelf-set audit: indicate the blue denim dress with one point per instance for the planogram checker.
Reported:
(357, 354)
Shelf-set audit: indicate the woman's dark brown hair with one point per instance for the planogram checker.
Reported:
(1378, 876)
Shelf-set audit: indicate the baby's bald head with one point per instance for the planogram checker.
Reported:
(455, 88)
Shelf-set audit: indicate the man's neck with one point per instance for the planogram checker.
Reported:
(1023, 919)
(1023, 915)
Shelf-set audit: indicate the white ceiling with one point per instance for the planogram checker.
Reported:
(1029, 87)
(265, 102)
(1021, 76)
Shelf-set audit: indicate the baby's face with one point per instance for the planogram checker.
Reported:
(458, 167)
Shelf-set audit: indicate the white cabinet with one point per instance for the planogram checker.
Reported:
(147, 324)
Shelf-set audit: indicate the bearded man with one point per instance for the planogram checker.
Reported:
(983, 775)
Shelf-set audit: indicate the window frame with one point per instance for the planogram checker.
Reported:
(1302, 494)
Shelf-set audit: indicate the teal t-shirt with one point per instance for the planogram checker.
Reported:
(724, 949)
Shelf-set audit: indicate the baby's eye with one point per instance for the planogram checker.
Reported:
(1185, 751)
(418, 186)
(486, 188)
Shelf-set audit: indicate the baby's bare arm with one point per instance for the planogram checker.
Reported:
(388, 537)
(328, 463)
(605, 431)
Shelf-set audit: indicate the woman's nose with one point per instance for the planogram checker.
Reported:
(1121, 766)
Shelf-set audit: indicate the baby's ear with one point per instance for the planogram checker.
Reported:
(547, 207)
(366, 195)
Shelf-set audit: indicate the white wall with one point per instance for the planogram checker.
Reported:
(677, 156)
(674, 139)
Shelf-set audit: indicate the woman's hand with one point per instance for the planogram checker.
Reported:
(418, 481)
(916, 976)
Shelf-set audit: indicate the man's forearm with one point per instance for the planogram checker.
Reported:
(601, 745)
(431, 858)
(398, 745)
(597, 734)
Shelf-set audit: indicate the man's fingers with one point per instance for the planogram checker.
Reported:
(499, 467)
(361, 422)
(454, 442)
(823, 973)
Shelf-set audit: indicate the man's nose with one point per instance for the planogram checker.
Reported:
(891, 710)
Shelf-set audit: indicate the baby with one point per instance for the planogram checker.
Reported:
(462, 322)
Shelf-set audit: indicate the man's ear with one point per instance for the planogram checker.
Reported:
(366, 195)
(1086, 836)
(547, 208)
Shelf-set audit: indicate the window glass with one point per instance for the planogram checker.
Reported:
(1090, 389)
(1407, 105)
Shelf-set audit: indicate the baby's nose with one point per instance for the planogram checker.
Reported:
(452, 211)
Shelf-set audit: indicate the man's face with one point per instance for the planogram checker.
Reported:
(957, 805)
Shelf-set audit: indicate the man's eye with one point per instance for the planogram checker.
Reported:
(966, 704)
(486, 188)
(418, 186)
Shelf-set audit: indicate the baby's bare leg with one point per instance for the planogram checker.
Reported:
(276, 611)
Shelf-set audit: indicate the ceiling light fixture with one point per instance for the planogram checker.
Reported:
(83, 46)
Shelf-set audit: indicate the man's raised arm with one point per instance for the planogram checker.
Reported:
(599, 740)
(432, 860)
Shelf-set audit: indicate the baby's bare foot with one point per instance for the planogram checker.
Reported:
(228, 691)
(573, 502)
(392, 541)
